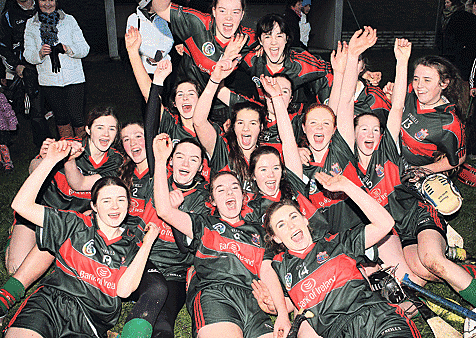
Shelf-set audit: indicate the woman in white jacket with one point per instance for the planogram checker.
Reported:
(55, 44)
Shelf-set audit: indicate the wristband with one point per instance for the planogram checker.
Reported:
(277, 95)
(211, 80)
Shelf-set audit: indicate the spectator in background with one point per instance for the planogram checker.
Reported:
(157, 40)
(304, 25)
(55, 44)
(12, 28)
(292, 16)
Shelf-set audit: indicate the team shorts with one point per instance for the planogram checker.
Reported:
(53, 314)
(229, 303)
(423, 216)
(380, 320)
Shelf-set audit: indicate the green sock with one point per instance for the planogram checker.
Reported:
(11, 292)
(137, 328)
(469, 294)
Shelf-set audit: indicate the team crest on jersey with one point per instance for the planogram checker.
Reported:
(379, 170)
(255, 239)
(322, 257)
(336, 168)
(89, 249)
(257, 81)
(219, 227)
(312, 187)
(208, 48)
(422, 134)
(288, 279)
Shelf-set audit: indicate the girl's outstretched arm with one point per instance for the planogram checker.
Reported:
(24, 201)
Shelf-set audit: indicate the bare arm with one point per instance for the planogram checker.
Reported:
(402, 51)
(360, 42)
(285, 129)
(380, 220)
(133, 42)
(175, 217)
(24, 201)
(162, 8)
(131, 278)
(204, 129)
(338, 62)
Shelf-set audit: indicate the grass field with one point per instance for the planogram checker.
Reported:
(112, 83)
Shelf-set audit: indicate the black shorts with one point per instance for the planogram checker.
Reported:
(423, 216)
(53, 314)
(376, 321)
(228, 303)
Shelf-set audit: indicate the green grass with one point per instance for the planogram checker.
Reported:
(112, 83)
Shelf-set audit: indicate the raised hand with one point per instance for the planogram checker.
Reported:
(339, 57)
(45, 145)
(402, 49)
(152, 232)
(235, 45)
(362, 40)
(224, 67)
(388, 90)
(332, 182)
(58, 150)
(373, 78)
(162, 147)
(133, 39)
(270, 85)
(163, 69)
(76, 149)
(176, 198)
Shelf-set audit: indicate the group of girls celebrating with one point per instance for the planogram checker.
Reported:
(284, 198)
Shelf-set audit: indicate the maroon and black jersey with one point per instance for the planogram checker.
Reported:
(225, 253)
(311, 77)
(88, 265)
(325, 279)
(338, 209)
(165, 254)
(141, 187)
(429, 133)
(372, 100)
(172, 125)
(203, 50)
(270, 136)
(60, 195)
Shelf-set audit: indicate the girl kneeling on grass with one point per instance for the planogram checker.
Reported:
(319, 270)
(99, 258)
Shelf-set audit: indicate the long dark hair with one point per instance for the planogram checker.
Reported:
(98, 112)
(198, 87)
(447, 71)
(203, 153)
(237, 158)
(284, 187)
(126, 171)
(266, 24)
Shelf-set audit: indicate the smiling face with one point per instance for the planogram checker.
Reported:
(47, 6)
(227, 197)
(286, 91)
(228, 15)
(102, 133)
(186, 99)
(186, 162)
(133, 141)
(427, 84)
(290, 227)
(319, 128)
(367, 134)
(273, 43)
(247, 128)
(111, 206)
(268, 173)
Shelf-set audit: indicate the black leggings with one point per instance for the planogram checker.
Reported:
(67, 103)
(150, 297)
(164, 327)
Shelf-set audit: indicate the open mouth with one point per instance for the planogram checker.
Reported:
(231, 204)
(369, 144)
(184, 172)
(104, 142)
(186, 108)
(319, 138)
(246, 140)
(271, 185)
(297, 236)
(114, 216)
